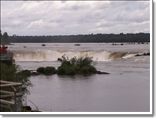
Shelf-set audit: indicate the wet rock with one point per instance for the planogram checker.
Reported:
(43, 45)
(34, 73)
(146, 54)
(143, 54)
(100, 72)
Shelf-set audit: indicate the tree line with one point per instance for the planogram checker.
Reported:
(88, 38)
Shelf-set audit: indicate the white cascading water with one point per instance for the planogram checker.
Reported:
(49, 55)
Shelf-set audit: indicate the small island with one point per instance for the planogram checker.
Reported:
(73, 66)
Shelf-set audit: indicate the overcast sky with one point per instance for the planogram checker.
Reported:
(72, 17)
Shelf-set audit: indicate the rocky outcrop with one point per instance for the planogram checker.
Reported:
(100, 72)
(143, 54)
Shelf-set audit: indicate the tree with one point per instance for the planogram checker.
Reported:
(5, 38)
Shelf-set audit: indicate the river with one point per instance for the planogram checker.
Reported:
(125, 89)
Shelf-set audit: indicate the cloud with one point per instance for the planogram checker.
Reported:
(74, 17)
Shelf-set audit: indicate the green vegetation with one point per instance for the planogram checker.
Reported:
(4, 38)
(46, 70)
(40, 70)
(25, 73)
(75, 65)
(13, 73)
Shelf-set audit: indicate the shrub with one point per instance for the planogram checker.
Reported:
(46, 70)
(40, 70)
(26, 73)
(8, 72)
(49, 70)
(88, 70)
(13, 73)
(66, 70)
(75, 65)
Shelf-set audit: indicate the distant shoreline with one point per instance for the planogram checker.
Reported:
(89, 38)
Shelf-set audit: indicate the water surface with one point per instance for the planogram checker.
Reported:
(125, 89)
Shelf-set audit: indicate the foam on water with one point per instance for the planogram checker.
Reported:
(51, 55)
